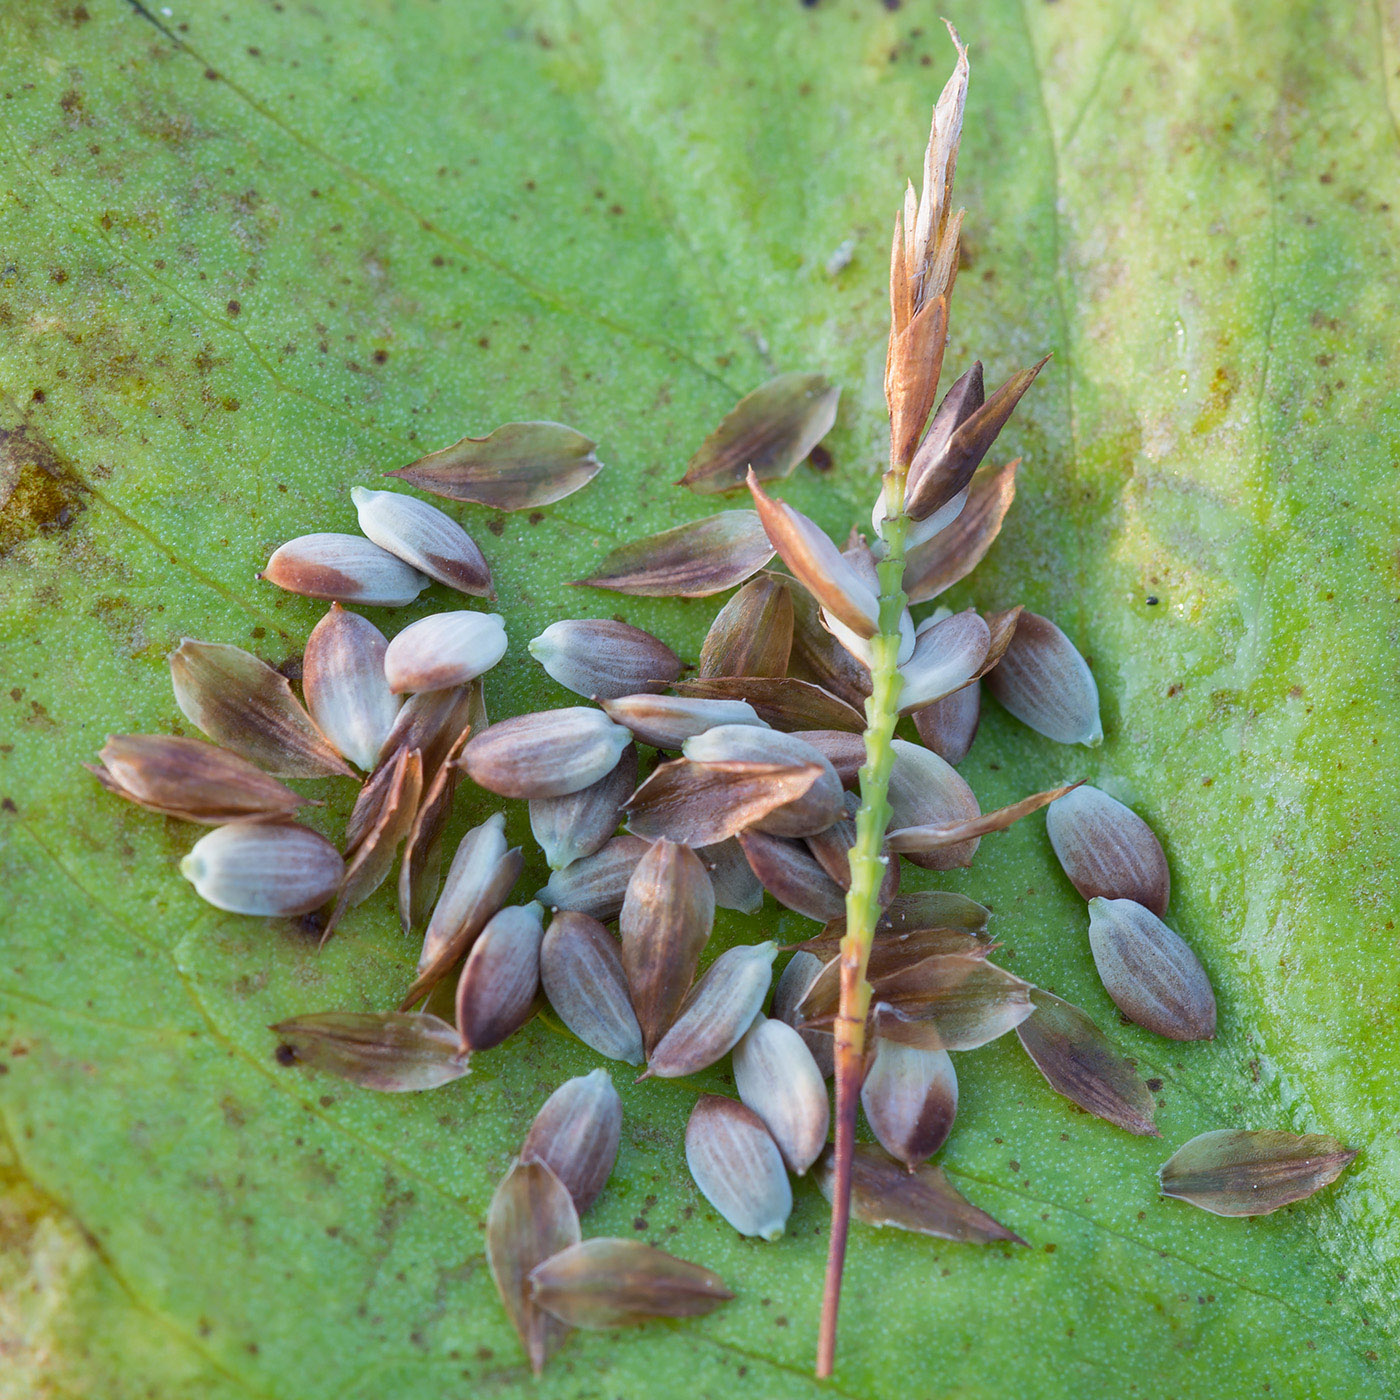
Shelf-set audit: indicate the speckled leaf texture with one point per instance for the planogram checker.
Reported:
(252, 255)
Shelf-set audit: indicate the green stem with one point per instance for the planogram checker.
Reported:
(868, 869)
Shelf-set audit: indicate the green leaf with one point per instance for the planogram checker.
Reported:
(251, 256)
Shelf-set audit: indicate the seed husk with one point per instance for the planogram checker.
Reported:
(703, 804)
(582, 974)
(666, 920)
(948, 654)
(781, 701)
(373, 858)
(737, 1166)
(801, 971)
(667, 721)
(889, 954)
(924, 1201)
(935, 566)
(531, 1219)
(818, 657)
(596, 884)
(792, 875)
(1152, 976)
(424, 537)
(444, 650)
(778, 1078)
(948, 726)
(926, 791)
(690, 561)
(549, 754)
(421, 867)
(951, 1001)
(580, 823)
(719, 1009)
(191, 780)
(342, 677)
(1081, 1063)
(1045, 683)
(752, 633)
(910, 1098)
(602, 658)
(271, 869)
(736, 886)
(517, 467)
(496, 991)
(819, 805)
(345, 569)
(843, 750)
(1234, 1171)
(480, 879)
(809, 552)
(941, 469)
(1107, 849)
(924, 909)
(243, 704)
(392, 1051)
(604, 1283)
(576, 1134)
(770, 430)
(920, 840)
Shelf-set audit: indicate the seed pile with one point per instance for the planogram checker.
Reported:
(732, 782)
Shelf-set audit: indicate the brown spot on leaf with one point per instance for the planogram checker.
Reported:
(39, 492)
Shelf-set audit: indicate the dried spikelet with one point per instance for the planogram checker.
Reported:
(719, 1009)
(950, 1001)
(793, 876)
(801, 971)
(910, 1098)
(736, 886)
(582, 974)
(596, 884)
(667, 721)
(342, 677)
(271, 869)
(421, 867)
(691, 561)
(496, 991)
(606, 1283)
(549, 754)
(818, 657)
(444, 650)
(1241, 1172)
(936, 565)
(778, 1078)
(922, 840)
(1045, 683)
(602, 658)
(948, 726)
(423, 537)
(576, 1134)
(737, 1166)
(781, 701)
(580, 823)
(394, 1052)
(926, 791)
(1107, 849)
(948, 654)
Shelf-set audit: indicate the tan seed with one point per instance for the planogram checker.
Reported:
(582, 974)
(605, 1283)
(193, 781)
(496, 991)
(342, 677)
(424, 538)
(1252, 1172)
(602, 658)
(548, 754)
(531, 1219)
(1045, 683)
(1152, 976)
(243, 704)
(344, 568)
(737, 1166)
(391, 1051)
(1107, 849)
(719, 1009)
(576, 1135)
(910, 1098)
(778, 1078)
(272, 869)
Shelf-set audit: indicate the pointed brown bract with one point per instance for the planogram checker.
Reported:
(602, 658)
(580, 823)
(596, 884)
(737, 1166)
(1080, 1062)
(1044, 681)
(792, 875)
(910, 1098)
(531, 1219)
(781, 701)
(392, 1051)
(770, 430)
(423, 537)
(345, 568)
(421, 866)
(691, 561)
(496, 991)
(549, 754)
(193, 781)
(517, 467)
(777, 1076)
(576, 1134)
(952, 554)
(268, 869)
(605, 1283)
(950, 1001)
(1243, 1172)
(666, 920)
(243, 704)
(582, 974)
(1107, 849)
(1152, 976)
(374, 856)
(719, 1009)
(920, 840)
(884, 1193)
(752, 633)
